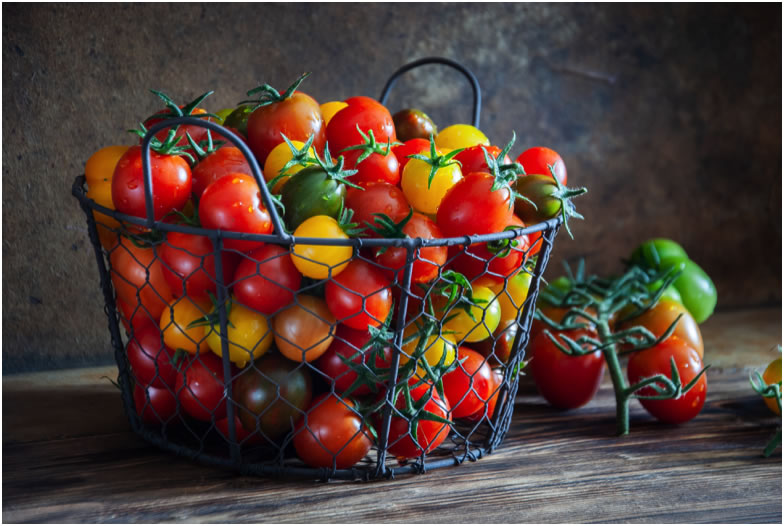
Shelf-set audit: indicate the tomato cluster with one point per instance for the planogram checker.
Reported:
(307, 325)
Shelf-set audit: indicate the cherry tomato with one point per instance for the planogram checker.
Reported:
(376, 168)
(271, 395)
(150, 360)
(365, 113)
(410, 147)
(558, 314)
(189, 264)
(488, 407)
(277, 159)
(197, 133)
(224, 161)
(473, 159)
(266, 279)
(233, 203)
(175, 320)
(470, 322)
(656, 360)
(200, 388)
(538, 160)
(311, 193)
(427, 260)
(171, 183)
(435, 350)
(772, 375)
(349, 343)
(697, 291)
(321, 261)
(658, 254)
(304, 331)
(360, 296)
(460, 136)
(99, 168)
(659, 317)
(332, 434)
(490, 264)
(107, 226)
(499, 348)
(566, 382)
(424, 194)
(133, 319)
(137, 275)
(470, 385)
(512, 295)
(329, 109)
(381, 198)
(248, 334)
(413, 124)
(429, 434)
(297, 117)
(154, 405)
(470, 207)
(238, 119)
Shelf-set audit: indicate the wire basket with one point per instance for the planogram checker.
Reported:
(263, 405)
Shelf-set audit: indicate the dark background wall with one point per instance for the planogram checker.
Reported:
(669, 114)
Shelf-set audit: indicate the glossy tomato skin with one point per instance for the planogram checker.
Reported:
(658, 318)
(427, 259)
(470, 207)
(365, 113)
(410, 147)
(468, 387)
(132, 319)
(536, 160)
(311, 192)
(376, 168)
(271, 394)
(360, 296)
(566, 382)
(349, 343)
(488, 409)
(381, 198)
(224, 161)
(411, 123)
(233, 203)
(321, 261)
(154, 405)
(171, 183)
(539, 189)
(770, 376)
(189, 264)
(200, 388)
(430, 434)
(697, 291)
(297, 117)
(332, 434)
(656, 360)
(266, 279)
(473, 159)
(305, 330)
(150, 360)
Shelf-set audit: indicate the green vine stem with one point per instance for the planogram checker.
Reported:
(768, 391)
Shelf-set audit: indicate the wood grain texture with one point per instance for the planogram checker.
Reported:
(68, 456)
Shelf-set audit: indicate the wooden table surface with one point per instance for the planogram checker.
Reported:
(69, 456)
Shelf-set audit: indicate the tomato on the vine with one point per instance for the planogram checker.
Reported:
(429, 433)
(349, 344)
(655, 361)
(332, 434)
(435, 350)
(659, 317)
(772, 375)
(470, 320)
(537, 160)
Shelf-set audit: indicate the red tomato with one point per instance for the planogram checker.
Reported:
(359, 296)
(365, 113)
(410, 147)
(468, 387)
(473, 159)
(376, 168)
(347, 343)
(488, 410)
(197, 133)
(428, 259)
(332, 434)
(233, 203)
(430, 434)
(469, 207)
(171, 183)
(536, 160)
(133, 319)
(200, 388)
(381, 198)
(137, 275)
(154, 405)
(242, 435)
(189, 264)
(150, 359)
(224, 161)
(566, 382)
(656, 360)
(266, 279)
(297, 117)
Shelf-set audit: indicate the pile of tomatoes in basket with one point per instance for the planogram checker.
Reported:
(308, 327)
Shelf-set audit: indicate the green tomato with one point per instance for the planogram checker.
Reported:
(222, 114)
(670, 293)
(659, 254)
(698, 293)
(540, 190)
(238, 119)
(311, 192)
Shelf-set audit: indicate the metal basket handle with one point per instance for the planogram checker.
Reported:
(446, 62)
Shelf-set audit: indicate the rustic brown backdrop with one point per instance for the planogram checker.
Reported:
(671, 115)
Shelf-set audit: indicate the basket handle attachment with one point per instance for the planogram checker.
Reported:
(477, 108)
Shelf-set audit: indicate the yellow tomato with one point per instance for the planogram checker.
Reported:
(329, 109)
(414, 182)
(174, 325)
(772, 375)
(101, 193)
(304, 331)
(222, 114)
(100, 166)
(249, 335)
(434, 350)
(512, 299)
(482, 321)
(321, 261)
(460, 136)
(277, 158)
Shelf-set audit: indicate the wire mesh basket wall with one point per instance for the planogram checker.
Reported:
(259, 354)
